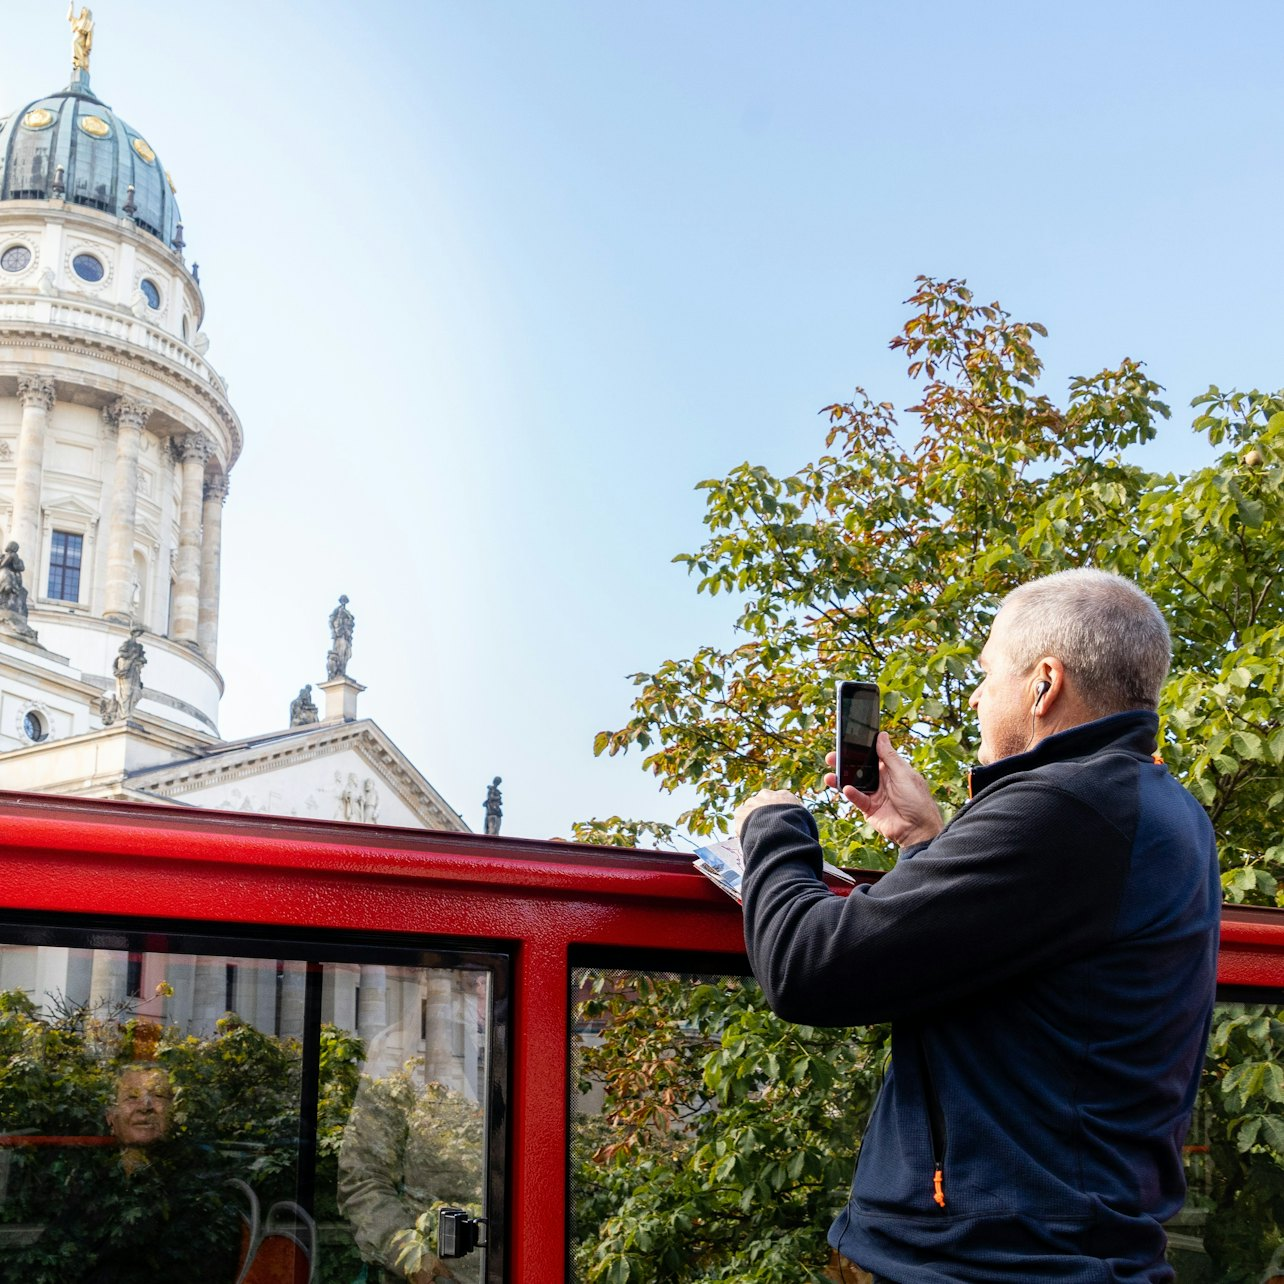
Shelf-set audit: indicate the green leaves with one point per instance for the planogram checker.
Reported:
(885, 559)
(726, 1136)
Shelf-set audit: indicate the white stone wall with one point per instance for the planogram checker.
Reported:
(340, 786)
(118, 378)
(55, 233)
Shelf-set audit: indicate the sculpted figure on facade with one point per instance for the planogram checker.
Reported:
(303, 710)
(494, 806)
(13, 596)
(342, 624)
(349, 804)
(369, 801)
(82, 36)
(127, 670)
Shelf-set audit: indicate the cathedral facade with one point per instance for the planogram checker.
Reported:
(117, 440)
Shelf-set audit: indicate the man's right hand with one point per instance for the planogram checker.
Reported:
(902, 808)
(434, 1272)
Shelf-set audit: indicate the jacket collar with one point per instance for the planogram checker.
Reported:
(1135, 732)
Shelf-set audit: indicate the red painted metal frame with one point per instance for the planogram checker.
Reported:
(542, 899)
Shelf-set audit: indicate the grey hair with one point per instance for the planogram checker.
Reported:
(1110, 636)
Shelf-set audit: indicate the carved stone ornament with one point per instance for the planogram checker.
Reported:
(128, 411)
(494, 806)
(303, 710)
(357, 800)
(127, 669)
(342, 624)
(13, 596)
(195, 445)
(216, 487)
(36, 390)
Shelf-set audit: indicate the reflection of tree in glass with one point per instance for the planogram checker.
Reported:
(725, 1136)
(73, 1213)
(145, 1203)
(408, 1148)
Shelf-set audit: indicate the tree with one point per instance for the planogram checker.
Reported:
(236, 1114)
(887, 557)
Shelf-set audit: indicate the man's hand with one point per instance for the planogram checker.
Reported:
(902, 808)
(434, 1272)
(763, 798)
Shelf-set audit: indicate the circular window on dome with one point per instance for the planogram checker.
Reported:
(88, 268)
(95, 126)
(38, 118)
(15, 258)
(141, 147)
(34, 726)
(150, 292)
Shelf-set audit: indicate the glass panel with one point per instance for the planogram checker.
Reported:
(415, 1138)
(300, 1116)
(709, 1139)
(707, 1136)
(1232, 1227)
(65, 552)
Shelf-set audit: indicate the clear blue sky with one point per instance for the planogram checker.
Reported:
(495, 284)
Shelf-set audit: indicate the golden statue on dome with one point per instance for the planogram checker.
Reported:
(82, 36)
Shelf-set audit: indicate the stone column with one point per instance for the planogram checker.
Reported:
(129, 416)
(192, 451)
(211, 565)
(209, 993)
(37, 396)
(372, 1001)
(107, 980)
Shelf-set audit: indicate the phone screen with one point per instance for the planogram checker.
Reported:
(857, 733)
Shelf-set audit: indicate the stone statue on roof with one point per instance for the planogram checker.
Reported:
(494, 806)
(302, 708)
(13, 595)
(82, 36)
(342, 624)
(127, 670)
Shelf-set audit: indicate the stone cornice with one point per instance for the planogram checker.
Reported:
(46, 336)
(256, 760)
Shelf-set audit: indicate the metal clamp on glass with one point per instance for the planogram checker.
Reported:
(457, 1233)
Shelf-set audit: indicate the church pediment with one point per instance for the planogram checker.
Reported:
(70, 506)
(342, 771)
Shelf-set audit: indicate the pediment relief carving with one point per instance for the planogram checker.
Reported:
(69, 506)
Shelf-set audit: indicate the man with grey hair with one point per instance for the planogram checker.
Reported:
(1047, 960)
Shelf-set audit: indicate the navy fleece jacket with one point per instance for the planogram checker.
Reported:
(1048, 963)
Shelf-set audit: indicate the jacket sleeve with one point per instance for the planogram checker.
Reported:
(1032, 878)
(371, 1163)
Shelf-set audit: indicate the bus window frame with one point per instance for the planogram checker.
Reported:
(318, 951)
(542, 900)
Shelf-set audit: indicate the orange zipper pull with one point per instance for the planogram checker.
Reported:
(938, 1187)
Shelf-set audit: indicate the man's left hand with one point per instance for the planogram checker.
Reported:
(763, 798)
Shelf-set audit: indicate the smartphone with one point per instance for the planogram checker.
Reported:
(857, 764)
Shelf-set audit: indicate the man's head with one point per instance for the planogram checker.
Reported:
(140, 1114)
(1064, 650)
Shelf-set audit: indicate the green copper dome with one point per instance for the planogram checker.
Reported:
(72, 146)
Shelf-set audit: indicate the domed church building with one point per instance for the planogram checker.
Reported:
(117, 440)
